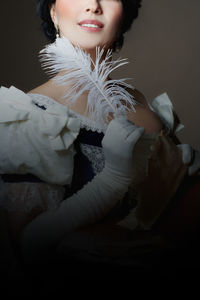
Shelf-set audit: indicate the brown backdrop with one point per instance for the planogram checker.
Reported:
(163, 49)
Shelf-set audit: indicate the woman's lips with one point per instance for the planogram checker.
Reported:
(91, 25)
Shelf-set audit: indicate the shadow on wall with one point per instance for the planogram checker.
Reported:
(163, 49)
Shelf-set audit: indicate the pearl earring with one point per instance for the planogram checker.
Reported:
(57, 32)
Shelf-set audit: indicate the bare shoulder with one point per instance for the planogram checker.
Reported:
(44, 89)
(51, 89)
(143, 116)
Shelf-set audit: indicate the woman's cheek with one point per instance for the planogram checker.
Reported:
(65, 9)
(117, 15)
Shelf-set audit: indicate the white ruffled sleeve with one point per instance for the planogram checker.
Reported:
(36, 141)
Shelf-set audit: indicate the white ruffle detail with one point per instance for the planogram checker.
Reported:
(88, 124)
(36, 141)
(163, 107)
(25, 196)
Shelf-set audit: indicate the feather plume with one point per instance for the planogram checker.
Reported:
(83, 75)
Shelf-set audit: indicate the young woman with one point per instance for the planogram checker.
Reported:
(73, 170)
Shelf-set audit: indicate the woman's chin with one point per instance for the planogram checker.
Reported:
(92, 48)
(88, 45)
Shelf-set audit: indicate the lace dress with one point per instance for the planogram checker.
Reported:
(70, 152)
(24, 192)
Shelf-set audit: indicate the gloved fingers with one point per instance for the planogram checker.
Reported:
(124, 126)
(135, 134)
(190, 156)
(187, 153)
(124, 121)
(195, 167)
(118, 129)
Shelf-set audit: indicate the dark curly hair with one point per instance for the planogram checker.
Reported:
(131, 8)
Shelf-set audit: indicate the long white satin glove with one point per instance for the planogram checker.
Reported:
(94, 200)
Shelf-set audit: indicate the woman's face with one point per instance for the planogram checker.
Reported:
(88, 23)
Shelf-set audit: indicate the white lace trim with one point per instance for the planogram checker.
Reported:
(95, 155)
(43, 100)
(25, 196)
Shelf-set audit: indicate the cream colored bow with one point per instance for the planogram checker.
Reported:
(55, 122)
(164, 109)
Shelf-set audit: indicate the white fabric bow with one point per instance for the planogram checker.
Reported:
(35, 140)
(163, 107)
(15, 105)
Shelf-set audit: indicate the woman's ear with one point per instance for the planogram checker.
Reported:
(52, 11)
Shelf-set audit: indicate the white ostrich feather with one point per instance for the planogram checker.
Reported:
(83, 75)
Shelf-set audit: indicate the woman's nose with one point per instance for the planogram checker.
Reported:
(93, 6)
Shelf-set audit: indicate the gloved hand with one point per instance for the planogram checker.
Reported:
(190, 157)
(94, 200)
(118, 143)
